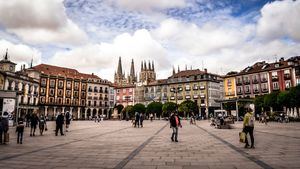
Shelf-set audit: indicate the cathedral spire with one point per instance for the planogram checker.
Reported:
(31, 63)
(120, 67)
(152, 65)
(173, 70)
(132, 71)
(145, 65)
(178, 69)
(149, 64)
(142, 66)
(6, 54)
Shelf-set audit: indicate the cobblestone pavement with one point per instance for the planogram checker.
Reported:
(116, 144)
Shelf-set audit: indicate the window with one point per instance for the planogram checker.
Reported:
(51, 92)
(44, 81)
(83, 87)
(95, 103)
(75, 94)
(69, 84)
(60, 84)
(89, 103)
(52, 83)
(90, 89)
(43, 91)
(95, 89)
(60, 92)
(76, 85)
(229, 82)
(68, 93)
(275, 86)
(247, 88)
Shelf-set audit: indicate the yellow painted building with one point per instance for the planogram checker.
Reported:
(229, 87)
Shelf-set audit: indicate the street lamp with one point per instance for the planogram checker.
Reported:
(176, 90)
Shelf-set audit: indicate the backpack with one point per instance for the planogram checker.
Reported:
(251, 121)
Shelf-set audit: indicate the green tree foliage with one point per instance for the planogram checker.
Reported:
(139, 108)
(155, 108)
(270, 100)
(129, 110)
(284, 99)
(187, 107)
(167, 108)
(119, 107)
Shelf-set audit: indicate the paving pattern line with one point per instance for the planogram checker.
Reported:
(280, 135)
(243, 153)
(62, 144)
(122, 163)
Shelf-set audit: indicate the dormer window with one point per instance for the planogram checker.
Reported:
(277, 65)
(264, 66)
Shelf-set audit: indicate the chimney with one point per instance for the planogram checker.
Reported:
(205, 70)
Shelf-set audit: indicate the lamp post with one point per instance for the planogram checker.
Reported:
(176, 90)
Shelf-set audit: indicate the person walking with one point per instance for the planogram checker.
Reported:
(142, 117)
(42, 124)
(68, 120)
(27, 118)
(33, 123)
(4, 129)
(20, 131)
(59, 124)
(248, 127)
(174, 124)
(151, 117)
(137, 119)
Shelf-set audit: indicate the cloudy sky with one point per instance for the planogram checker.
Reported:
(90, 35)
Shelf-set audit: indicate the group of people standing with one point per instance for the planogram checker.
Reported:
(138, 120)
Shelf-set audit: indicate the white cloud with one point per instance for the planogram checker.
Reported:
(20, 53)
(148, 5)
(40, 21)
(101, 57)
(280, 19)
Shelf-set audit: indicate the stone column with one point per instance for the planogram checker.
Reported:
(71, 112)
(46, 111)
(85, 113)
(54, 110)
(78, 113)
(97, 113)
(63, 109)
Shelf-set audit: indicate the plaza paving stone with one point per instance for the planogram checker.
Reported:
(116, 144)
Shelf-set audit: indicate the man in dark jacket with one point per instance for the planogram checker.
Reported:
(59, 124)
(4, 127)
(68, 120)
(137, 119)
(141, 119)
(33, 123)
(174, 124)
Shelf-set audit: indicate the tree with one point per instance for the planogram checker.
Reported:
(167, 108)
(155, 108)
(139, 108)
(187, 107)
(284, 99)
(229, 106)
(270, 100)
(295, 98)
(259, 104)
(129, 111)
(119, 107)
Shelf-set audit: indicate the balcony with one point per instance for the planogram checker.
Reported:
(255, 81)
(202, 105)
(172, 98)
(247, 91)
(247, 82)
(264, 79)
(90, 90)
(239, 83)
(196, 97)
(180, 97)
(195, 88)
(239, 92)
(202, 96)
(264, 90)
(106, 98)
(202, 87)
(188, 97)
(187, 89)
(255, 90)
(101, 91)
(274, 78)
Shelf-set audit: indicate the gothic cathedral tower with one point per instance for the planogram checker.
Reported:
(147, 74)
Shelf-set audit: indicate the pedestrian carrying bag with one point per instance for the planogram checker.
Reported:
(242, 137)
(6, 136)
